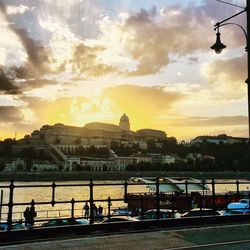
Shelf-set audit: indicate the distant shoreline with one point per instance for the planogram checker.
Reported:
(87, 175)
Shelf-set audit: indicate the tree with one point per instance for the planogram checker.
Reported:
(151, 146)
(2, 166)
(57, 141)
(7, 147)
(78, 141)
(19, 167)
(91, 151)
(28, 152)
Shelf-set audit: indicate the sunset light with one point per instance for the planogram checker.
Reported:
(75, 62)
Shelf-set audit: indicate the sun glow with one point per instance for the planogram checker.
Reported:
(80, 61)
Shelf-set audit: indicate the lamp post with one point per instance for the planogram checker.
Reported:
(219, 46)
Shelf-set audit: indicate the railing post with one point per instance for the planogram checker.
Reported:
(248, 202)
(32, 204)
(1, 203)
(158, 198)
(91, 200)
(109, 206)
(202, 194)
(213, 194)
(173, 198)
(72, 207)
(125, 191)
(142, 206)
(53, 194)
(10, 205)
(186, 188)
(226, 201)
(201, 202)
(237, 188)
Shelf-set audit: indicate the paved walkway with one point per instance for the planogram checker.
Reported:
(196, 238)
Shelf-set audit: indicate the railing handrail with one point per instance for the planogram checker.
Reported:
(157, 195)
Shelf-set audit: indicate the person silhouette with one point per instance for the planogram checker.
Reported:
(32, 215)
(26, 214)
(100, 210)
(94, 210)
(86, 209)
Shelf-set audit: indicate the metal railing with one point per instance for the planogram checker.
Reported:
(157, 197)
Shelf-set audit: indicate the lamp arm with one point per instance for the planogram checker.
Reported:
(219, 23)
(244, 31)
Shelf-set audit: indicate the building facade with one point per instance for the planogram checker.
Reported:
(96, 133)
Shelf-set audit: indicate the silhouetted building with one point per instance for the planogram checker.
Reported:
(218, 139)
(96, 133)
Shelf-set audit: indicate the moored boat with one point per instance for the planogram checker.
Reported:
(180, 194)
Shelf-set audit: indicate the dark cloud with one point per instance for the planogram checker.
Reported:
(38, 56)
(234, 70)
(150, 39)
(10, 114)
(36, 66)
(85, 60)
(6, 84)
(2, 7)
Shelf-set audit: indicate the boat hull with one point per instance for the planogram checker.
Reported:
(138, 203)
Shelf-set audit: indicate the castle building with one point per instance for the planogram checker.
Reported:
(95, 133)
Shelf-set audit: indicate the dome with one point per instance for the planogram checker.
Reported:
(124, 118)
(124, 123)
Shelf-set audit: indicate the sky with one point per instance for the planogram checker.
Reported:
(81, 61)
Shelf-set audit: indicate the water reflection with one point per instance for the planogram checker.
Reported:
(82, 193)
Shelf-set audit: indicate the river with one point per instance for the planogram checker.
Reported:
(44, 194)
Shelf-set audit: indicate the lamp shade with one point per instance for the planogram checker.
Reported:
(218, 46)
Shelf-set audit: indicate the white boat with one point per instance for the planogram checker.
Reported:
(169, 185)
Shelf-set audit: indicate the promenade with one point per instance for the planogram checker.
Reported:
(216, 237)
(117, 175)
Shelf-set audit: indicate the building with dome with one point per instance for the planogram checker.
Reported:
(124, 123)
(96, 133)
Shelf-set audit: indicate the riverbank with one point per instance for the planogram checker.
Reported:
(87, 175)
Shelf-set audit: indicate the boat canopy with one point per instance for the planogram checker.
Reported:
(168, 185)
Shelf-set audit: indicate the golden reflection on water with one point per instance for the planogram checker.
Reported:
(44, 194)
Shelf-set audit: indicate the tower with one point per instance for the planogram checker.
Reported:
(124, 123)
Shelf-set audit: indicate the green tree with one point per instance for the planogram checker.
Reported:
(7, 147)
(78, 141)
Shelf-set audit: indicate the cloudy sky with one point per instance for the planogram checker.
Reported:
(77, 61)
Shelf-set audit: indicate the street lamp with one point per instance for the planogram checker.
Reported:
(219, 46)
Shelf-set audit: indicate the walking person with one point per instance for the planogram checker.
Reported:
(86, 210)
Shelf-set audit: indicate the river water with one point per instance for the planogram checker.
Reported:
(44, 194)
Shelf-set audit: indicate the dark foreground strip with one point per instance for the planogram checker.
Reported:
(46, 233)
(225, 243)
